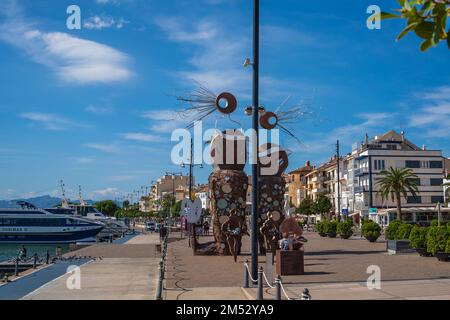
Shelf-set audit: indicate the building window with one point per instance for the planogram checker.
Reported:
(436, 164)
(412, 164)
(391, 146)
(436, 199)
(425, 164)
(436, 182)
(380, 165)
(412, 199)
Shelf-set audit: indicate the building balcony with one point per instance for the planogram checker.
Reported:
(359, 189)
(361, 171)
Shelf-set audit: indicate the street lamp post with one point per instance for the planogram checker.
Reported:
(255, 173)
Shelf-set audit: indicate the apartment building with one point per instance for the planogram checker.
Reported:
(392, 149)
(202, 192)
(297, 185)
(171, 184)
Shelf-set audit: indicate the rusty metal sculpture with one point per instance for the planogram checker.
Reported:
(233, 229)
(228, 184)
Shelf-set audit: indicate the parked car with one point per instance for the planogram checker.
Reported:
(150, 226)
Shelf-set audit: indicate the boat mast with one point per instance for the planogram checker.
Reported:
(64, 202)
(82, 203)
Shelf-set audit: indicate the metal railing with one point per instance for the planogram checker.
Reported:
(278, 285)
(162, 269)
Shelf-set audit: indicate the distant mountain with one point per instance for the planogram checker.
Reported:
(40, 202)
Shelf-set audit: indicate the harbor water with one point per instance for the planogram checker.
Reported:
(11, 251)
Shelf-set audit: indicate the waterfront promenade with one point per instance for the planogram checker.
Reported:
(334, 269)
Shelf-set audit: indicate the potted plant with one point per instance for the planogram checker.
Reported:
(345, 229)
(371, 231)
(391, 231)
(397, 236)
(320, 228)
(437, 239)
(331, 228)
(418, 240)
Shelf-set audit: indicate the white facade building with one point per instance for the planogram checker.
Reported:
(392, 150)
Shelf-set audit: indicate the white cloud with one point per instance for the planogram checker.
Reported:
(50, 121)
(73, 60)
(108, 148)
(107, 192)
(216, 61)
(141, 137)
(104, 22)
(433, 116)
(99, 110)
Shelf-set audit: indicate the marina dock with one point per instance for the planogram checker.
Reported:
(124, 270)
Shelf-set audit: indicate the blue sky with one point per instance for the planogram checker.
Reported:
(91, 106)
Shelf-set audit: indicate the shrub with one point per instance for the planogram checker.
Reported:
(371, 230)
(392, 228)
(434, 223)
(345, 229)
(437, 239)
(418, 237)
(330, 227)
(403, 231)
(447, 247)
(320, 226)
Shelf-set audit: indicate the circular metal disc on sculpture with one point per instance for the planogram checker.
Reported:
(276, 203)
(223, 219)
(227, 188)
(276, 216)
(264, 216)
(269, 120)
(230, 103)
(222, 204)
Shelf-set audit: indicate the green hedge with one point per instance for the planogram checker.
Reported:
(371, 229)
(403, 231)
(392, 228)
(330, 227)
(345, 228)
(437, 239)
(418, 237)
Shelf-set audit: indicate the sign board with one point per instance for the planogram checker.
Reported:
(373, 211)
(192, 211)
(345, 212)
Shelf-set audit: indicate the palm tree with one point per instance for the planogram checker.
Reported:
(395, 183)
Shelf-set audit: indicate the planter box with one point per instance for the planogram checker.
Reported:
(442, 256)
(290, 263)
(399, 246)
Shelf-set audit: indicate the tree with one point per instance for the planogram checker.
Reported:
(395, 183)
(176, 208)
(306, 207)
(322, 204)
(107, 207)
(427, 18)
(126, 204)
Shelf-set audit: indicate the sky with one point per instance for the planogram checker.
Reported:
(95, 107)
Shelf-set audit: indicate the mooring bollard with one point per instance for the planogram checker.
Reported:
(246, 280)
(16, 267)
(35, 260)
(278, 288)
(306, 295)
(47, 258)
(160, 282)
(260, 295)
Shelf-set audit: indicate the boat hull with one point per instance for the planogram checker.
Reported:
(48, 237)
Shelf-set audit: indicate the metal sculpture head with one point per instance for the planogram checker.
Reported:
(273, 161)
(203, 102)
